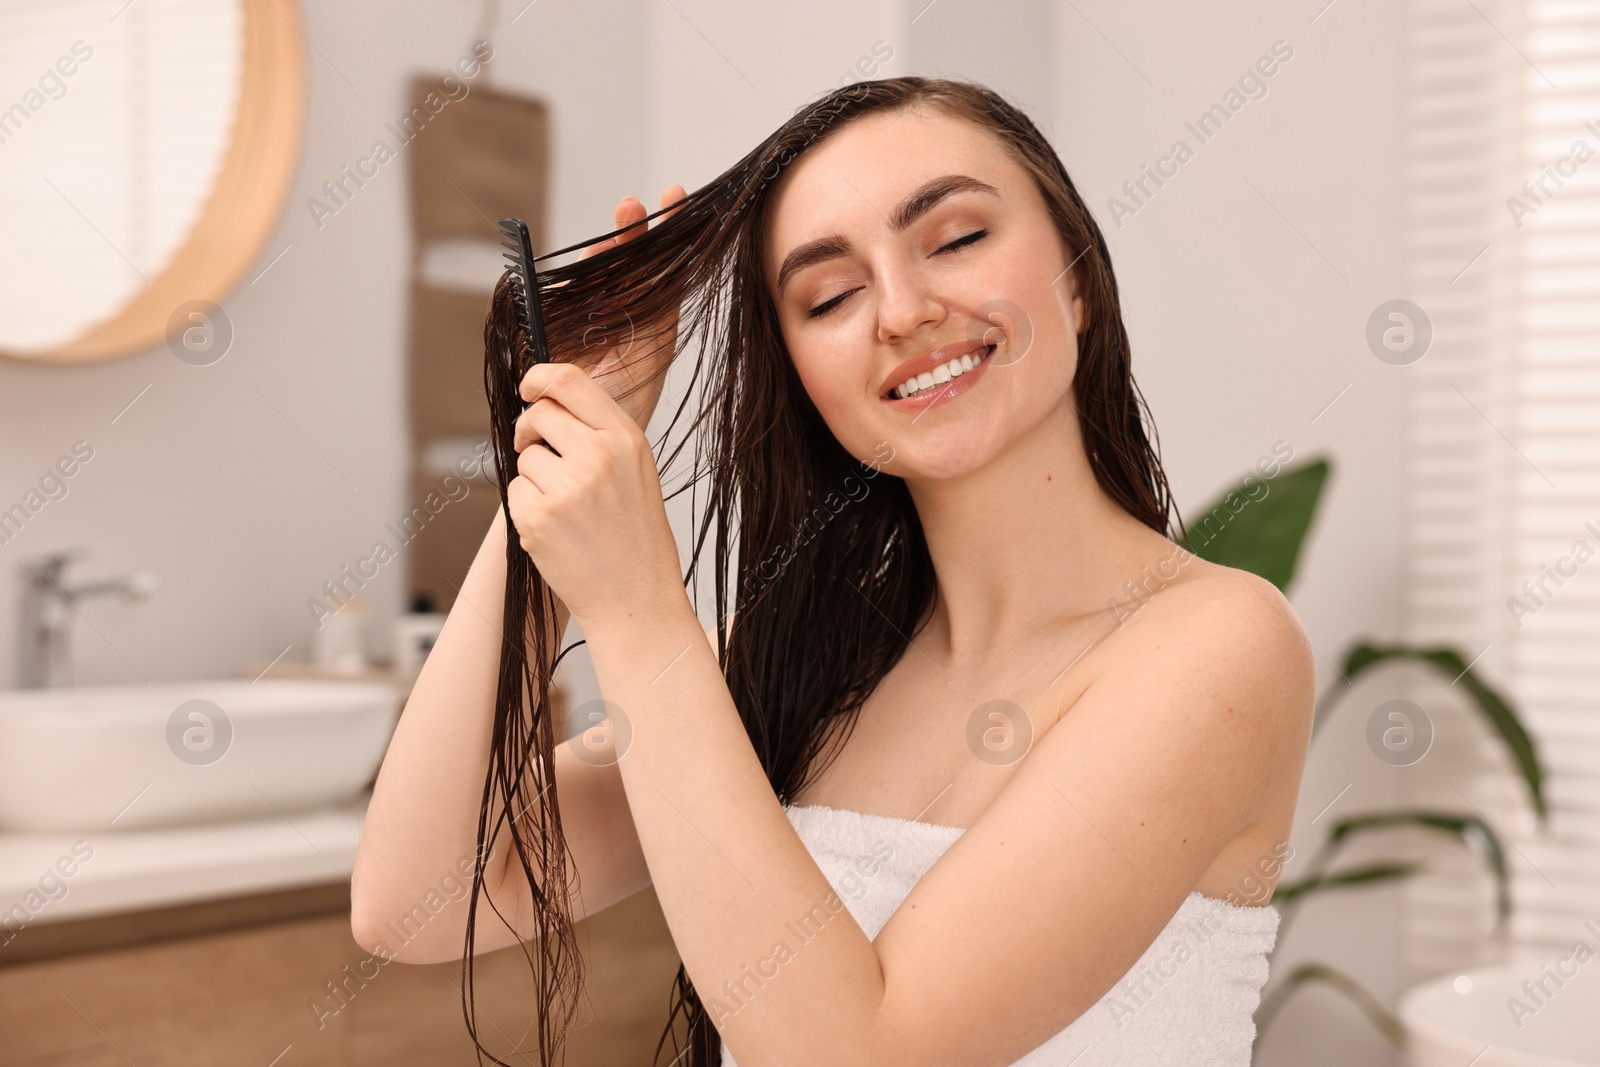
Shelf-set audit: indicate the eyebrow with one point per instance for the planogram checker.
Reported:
(917, 203)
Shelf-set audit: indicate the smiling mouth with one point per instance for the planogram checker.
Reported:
(943, 374)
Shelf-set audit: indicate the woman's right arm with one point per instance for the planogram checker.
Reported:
(419, 837)
(421, 826)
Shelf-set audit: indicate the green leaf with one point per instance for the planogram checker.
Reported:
(1321, 972)
(1380, 872)
(1470, 830)
(1262, 535)
(1452, 665)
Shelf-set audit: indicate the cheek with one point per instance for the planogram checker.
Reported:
(836, 390)
(821, 359)
(1048, 299)
(1037, 320)
(1054, 335)
(830, 389)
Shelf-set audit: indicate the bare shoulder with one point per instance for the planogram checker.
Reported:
(1217, 663)
(1228, 612)
(1227, 639)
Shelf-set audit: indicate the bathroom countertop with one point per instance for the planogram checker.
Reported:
(145, 869)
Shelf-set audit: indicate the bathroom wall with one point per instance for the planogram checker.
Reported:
(1246, 281)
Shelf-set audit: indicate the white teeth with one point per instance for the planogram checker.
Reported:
(939, 375)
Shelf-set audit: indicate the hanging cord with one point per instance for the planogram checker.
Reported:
(488, 18)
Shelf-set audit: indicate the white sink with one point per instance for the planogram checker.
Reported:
(1468, 1018)
(180, 753)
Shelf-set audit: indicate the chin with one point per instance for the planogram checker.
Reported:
(953, 455)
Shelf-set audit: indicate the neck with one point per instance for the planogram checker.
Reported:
(1028, 539)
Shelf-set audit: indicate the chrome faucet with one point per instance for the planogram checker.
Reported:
(48, 606)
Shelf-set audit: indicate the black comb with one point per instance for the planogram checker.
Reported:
(525, 289)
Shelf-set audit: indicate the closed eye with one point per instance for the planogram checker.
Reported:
(823, 309)
(962, 242)
(959, 242)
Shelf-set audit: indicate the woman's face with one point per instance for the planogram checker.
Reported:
(897, 242)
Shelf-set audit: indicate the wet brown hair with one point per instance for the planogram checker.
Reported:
(825, 589)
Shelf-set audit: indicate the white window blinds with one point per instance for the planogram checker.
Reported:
(1503, 458)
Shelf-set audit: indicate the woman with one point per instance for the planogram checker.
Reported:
(977, 769)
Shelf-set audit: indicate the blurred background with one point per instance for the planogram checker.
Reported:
(245, 252)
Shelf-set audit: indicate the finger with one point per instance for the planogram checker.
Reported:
(579, 394)
(618, 221)
(598, 247)
(541, 467)
(671, 195)
(523, 433)
(522, 497)
(548, 419)
(628, 212)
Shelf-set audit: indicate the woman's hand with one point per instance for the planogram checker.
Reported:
(623, 364)
(590, 513)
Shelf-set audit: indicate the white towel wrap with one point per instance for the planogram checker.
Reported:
(1190, 999)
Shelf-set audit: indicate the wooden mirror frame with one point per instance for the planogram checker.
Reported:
(244, 206)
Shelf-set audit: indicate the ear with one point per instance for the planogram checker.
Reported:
(1075, 299)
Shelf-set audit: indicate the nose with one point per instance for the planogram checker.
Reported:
(908, 300)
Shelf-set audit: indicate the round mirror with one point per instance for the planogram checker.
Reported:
(146, 149)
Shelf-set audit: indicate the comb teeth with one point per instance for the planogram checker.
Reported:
(524, 289)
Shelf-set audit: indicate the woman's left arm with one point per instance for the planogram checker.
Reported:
(1028, 920)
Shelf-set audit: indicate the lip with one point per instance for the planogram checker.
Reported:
(946, 391)
(925, 363)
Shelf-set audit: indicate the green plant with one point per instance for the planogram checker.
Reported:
(1265, 535)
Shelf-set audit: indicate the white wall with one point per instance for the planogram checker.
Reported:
(1246, 283)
